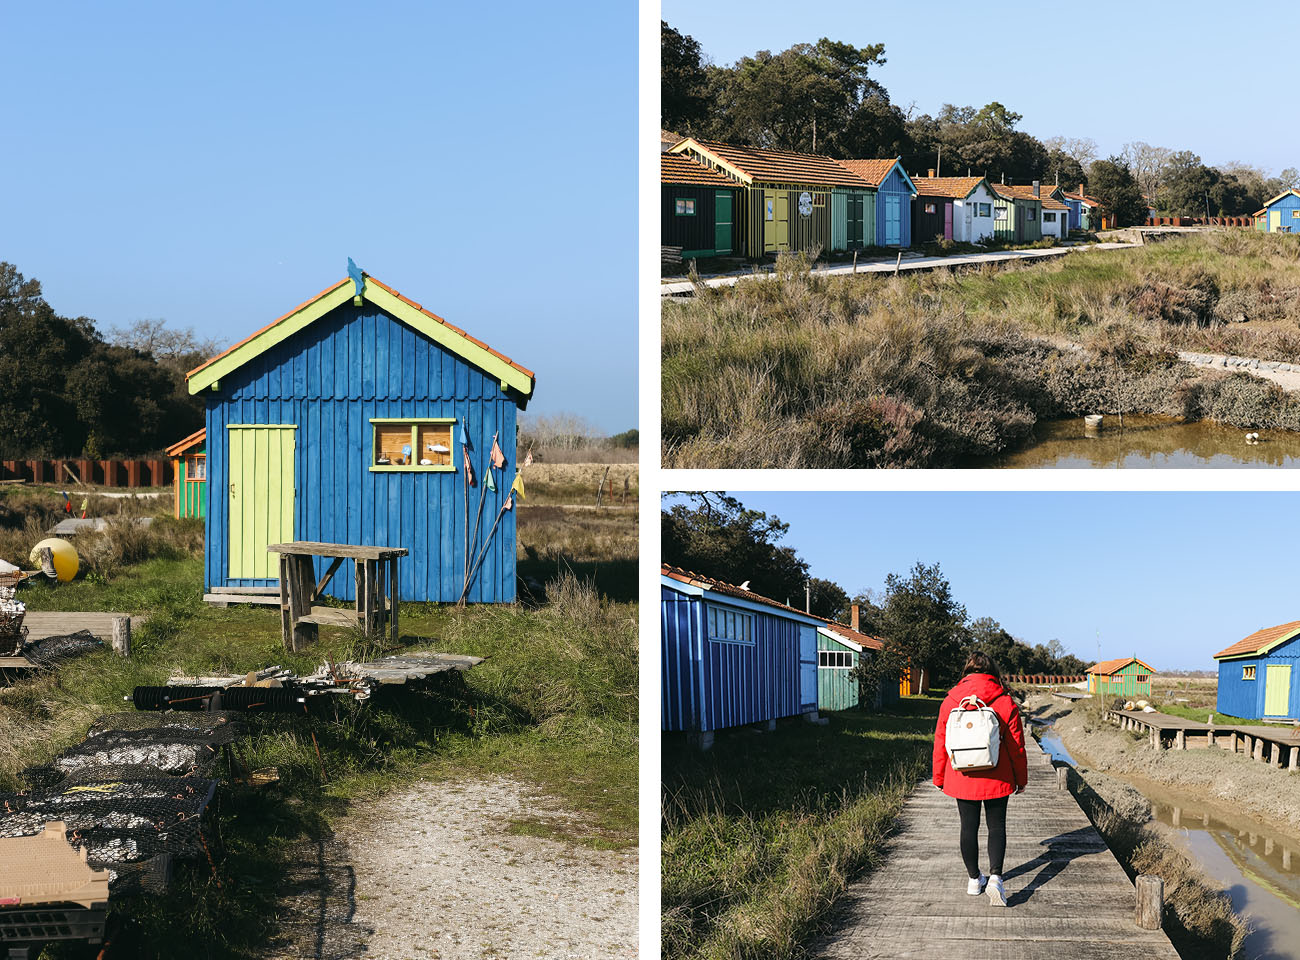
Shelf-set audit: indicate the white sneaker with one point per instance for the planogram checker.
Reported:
(976, 887)
(997, 893)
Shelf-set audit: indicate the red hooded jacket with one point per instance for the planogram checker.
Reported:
(1012, 770)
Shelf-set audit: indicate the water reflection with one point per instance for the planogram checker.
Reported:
(1147, 441)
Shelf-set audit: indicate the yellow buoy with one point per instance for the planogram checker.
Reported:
(66, 562)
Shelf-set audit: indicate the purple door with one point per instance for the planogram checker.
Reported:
(947, 220)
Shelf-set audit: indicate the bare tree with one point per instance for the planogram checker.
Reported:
(1147, 164)
(1082, 150)
(170, 346)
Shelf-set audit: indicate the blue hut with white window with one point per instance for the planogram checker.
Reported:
(1259, 676)
(350, 419)
(732, 657)
(1281, 214)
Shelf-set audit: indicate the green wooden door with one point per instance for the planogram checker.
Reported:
(261, 495)
(722, 221)
(854, 218)
(1277, 690)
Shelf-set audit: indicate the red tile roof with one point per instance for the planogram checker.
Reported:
(721, 586)
(1091, 201)
(680, 168)
(1108, 667)
(870, 170)
(782, 166)
(958, 188)
(180, 446)
(334, 286)
(1258, 640)
(1026, 192)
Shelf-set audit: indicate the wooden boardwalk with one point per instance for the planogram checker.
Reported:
(1278, 746)
(41, 623)
(1067, 896)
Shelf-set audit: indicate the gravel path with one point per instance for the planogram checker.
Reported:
(1286, 375)
(431, 872)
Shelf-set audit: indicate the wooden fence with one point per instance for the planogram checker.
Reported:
(1047, 678)
(107, 473)
(1199, 222)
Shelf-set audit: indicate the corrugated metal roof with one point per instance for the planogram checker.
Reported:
(1259, 640)
(780, 166)
(680, 168)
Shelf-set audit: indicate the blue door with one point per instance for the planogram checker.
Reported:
(893, 220)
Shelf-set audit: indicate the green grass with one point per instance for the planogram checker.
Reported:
(1199, 714)
(764, 831)
(554, 705)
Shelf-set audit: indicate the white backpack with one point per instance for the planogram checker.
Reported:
(973, 735)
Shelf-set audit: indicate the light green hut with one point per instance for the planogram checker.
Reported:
(1125, 677)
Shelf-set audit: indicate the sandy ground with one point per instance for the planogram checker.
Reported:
(1245, 785)
(431, 872)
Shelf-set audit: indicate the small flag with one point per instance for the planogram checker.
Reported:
(498, 458)
(464, 435)
(84, 505)
(469, 468)
(67, 501)
(518, 485)
(491, 484)
(528, 458)
(510, 502)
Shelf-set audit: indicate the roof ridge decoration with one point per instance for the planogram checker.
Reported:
(508, 372)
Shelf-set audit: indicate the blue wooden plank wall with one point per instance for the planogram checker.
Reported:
(1245, 698)
(330, 379)
(1289, 222)
(894, 185)
(709, 685)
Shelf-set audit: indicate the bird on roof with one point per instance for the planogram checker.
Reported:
(358, 277)
(745, 585)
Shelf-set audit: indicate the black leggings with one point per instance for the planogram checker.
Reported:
(995, 814)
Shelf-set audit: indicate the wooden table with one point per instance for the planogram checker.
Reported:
(376, 593)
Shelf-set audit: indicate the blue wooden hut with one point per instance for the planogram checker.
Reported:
(730, 656)
(894, 193)
(1259, 676)
(1281, 214)
(349, 420)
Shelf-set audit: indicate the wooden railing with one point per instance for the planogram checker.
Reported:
(1046, 678)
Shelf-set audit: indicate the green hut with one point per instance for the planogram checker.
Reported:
(1126, 677)
(840, 648)
(1017, 213)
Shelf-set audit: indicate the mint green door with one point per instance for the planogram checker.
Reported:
(260, 498)
(722, 221)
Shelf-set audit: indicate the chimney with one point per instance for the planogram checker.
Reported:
(1036, 188)
(854, 621)
(1080, 189)
(930, 173)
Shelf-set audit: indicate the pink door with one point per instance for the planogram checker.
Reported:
(947, 220)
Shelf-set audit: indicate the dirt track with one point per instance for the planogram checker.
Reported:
(430, 871)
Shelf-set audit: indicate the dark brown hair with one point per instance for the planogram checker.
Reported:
(981, 663)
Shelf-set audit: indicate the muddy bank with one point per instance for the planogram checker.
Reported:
(1239, 783)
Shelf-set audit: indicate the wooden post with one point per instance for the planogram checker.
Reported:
(1063, 779)
(300, 584)
(1233, 739)
(1150, 908)
(898, 263)
(1180, 739)
(122, 636)
(1293, 759)
(1258, 751)
(1275, 754)
(286, 616)
(368, 605)
(392, 599)
(855, 261)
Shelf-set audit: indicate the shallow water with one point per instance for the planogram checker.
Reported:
(1148, 441)
(1258, 868)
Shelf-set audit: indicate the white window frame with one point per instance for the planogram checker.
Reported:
(1248, 672)
(727, 625)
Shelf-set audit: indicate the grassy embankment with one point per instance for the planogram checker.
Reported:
(554, 704)
(936, 369)
(762, 833)
(1199, 917)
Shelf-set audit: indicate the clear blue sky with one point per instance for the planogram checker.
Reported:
(1186, 75)
(1174, 577)
(216, 164)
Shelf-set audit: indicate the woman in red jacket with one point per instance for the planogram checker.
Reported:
(980, 678)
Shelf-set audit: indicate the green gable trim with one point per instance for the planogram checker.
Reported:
(440, 333)
(1264, 649)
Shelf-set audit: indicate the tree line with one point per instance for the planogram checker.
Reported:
(922, 624)
(821, 98)
(68, 390)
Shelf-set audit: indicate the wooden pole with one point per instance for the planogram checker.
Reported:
(1063, 779)
(1150, 907)
(898, 263)
(122, 636)
(392, 599)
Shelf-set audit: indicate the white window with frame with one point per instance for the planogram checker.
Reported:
(685, 207)
(1000, 212)
(729, 626)
(985, 209)
(1248, 672)
(834, 659)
